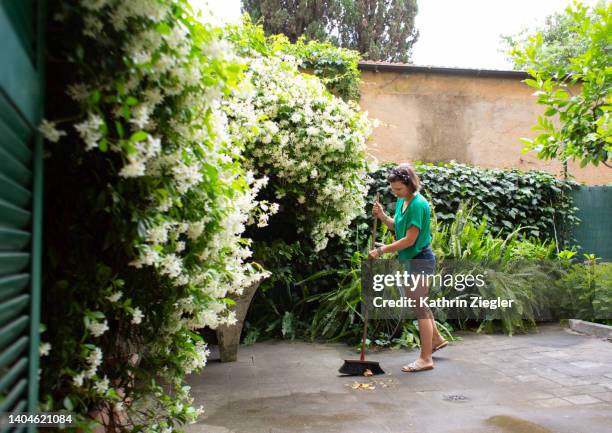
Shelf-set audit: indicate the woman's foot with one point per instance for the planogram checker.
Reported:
(438, 343)
(418, 364)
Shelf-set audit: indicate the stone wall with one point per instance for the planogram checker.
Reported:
(470, 116)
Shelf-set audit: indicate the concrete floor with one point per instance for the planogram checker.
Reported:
(553, 380)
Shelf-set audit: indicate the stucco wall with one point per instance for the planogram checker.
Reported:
(472, 119)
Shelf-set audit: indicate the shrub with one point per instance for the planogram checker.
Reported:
(309, 143)
(535, 200)
(584, 290)
(146, 203)
(337, 68)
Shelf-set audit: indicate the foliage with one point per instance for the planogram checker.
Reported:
(583, 132)
(560, 42)
(545, 201)
(378, 29)
(338, 317)
(511, 267)
(585, 291)
(336, 67)
(309, 143)
(292, 18)
(146, 206)
(535, 200)
(464, 238)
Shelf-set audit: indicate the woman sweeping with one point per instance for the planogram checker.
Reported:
(413, 245)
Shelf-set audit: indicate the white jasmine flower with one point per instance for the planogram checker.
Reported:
(101, 386)
(77, 91)
(115, 296)
(158, 234)
(94, 359)
(195, 230)
(91, 372)
(148, 256)
(98, 328)
(89, 130)
(93, 26)
(44, 349)
(140, 116)
(49, 131)
(171, 265)
(77, 380)
(135, 168)
(263, 220)
(186, 176)
(312, 130)
(141, 57)
(137, 316)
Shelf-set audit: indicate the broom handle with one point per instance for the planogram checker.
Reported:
(365, 317)
(374, 226)
(365, 333)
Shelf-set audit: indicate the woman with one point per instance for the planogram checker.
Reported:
(413, 241)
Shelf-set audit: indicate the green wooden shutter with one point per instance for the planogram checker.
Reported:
(21, 106)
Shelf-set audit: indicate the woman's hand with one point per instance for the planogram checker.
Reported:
(376, 252)
(378, 211)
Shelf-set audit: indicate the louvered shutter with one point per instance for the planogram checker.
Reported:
(21, 105)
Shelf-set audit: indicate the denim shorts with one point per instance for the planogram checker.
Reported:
(424, 262)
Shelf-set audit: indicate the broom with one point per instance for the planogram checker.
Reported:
(357, 367)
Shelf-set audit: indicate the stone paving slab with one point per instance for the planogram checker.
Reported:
(553, 380)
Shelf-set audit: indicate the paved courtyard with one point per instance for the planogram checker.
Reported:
(553, 380)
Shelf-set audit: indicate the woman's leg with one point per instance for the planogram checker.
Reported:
(426, 327)
(437, 338)
(426, 334)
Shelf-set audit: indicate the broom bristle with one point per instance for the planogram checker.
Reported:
(355, 367)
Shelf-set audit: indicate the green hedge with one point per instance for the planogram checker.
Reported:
(508, 198)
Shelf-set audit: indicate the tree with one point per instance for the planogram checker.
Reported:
(583, 132)
(560, 42)
(378, 29)
(292, 18)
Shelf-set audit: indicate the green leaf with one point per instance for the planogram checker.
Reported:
(551, 111)
(95, 97)
(68, 404)
(119, 128)
(163, 29)
(138, 136)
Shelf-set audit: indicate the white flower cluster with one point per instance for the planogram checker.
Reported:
(50, 131)
(197, 359)
(313, 142)
(171, 133)
(98, 328)
(90, 131)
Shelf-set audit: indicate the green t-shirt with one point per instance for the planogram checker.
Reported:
(416, 214)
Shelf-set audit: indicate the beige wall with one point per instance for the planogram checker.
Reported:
(472, 119)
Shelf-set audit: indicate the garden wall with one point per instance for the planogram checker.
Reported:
(469, 115)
